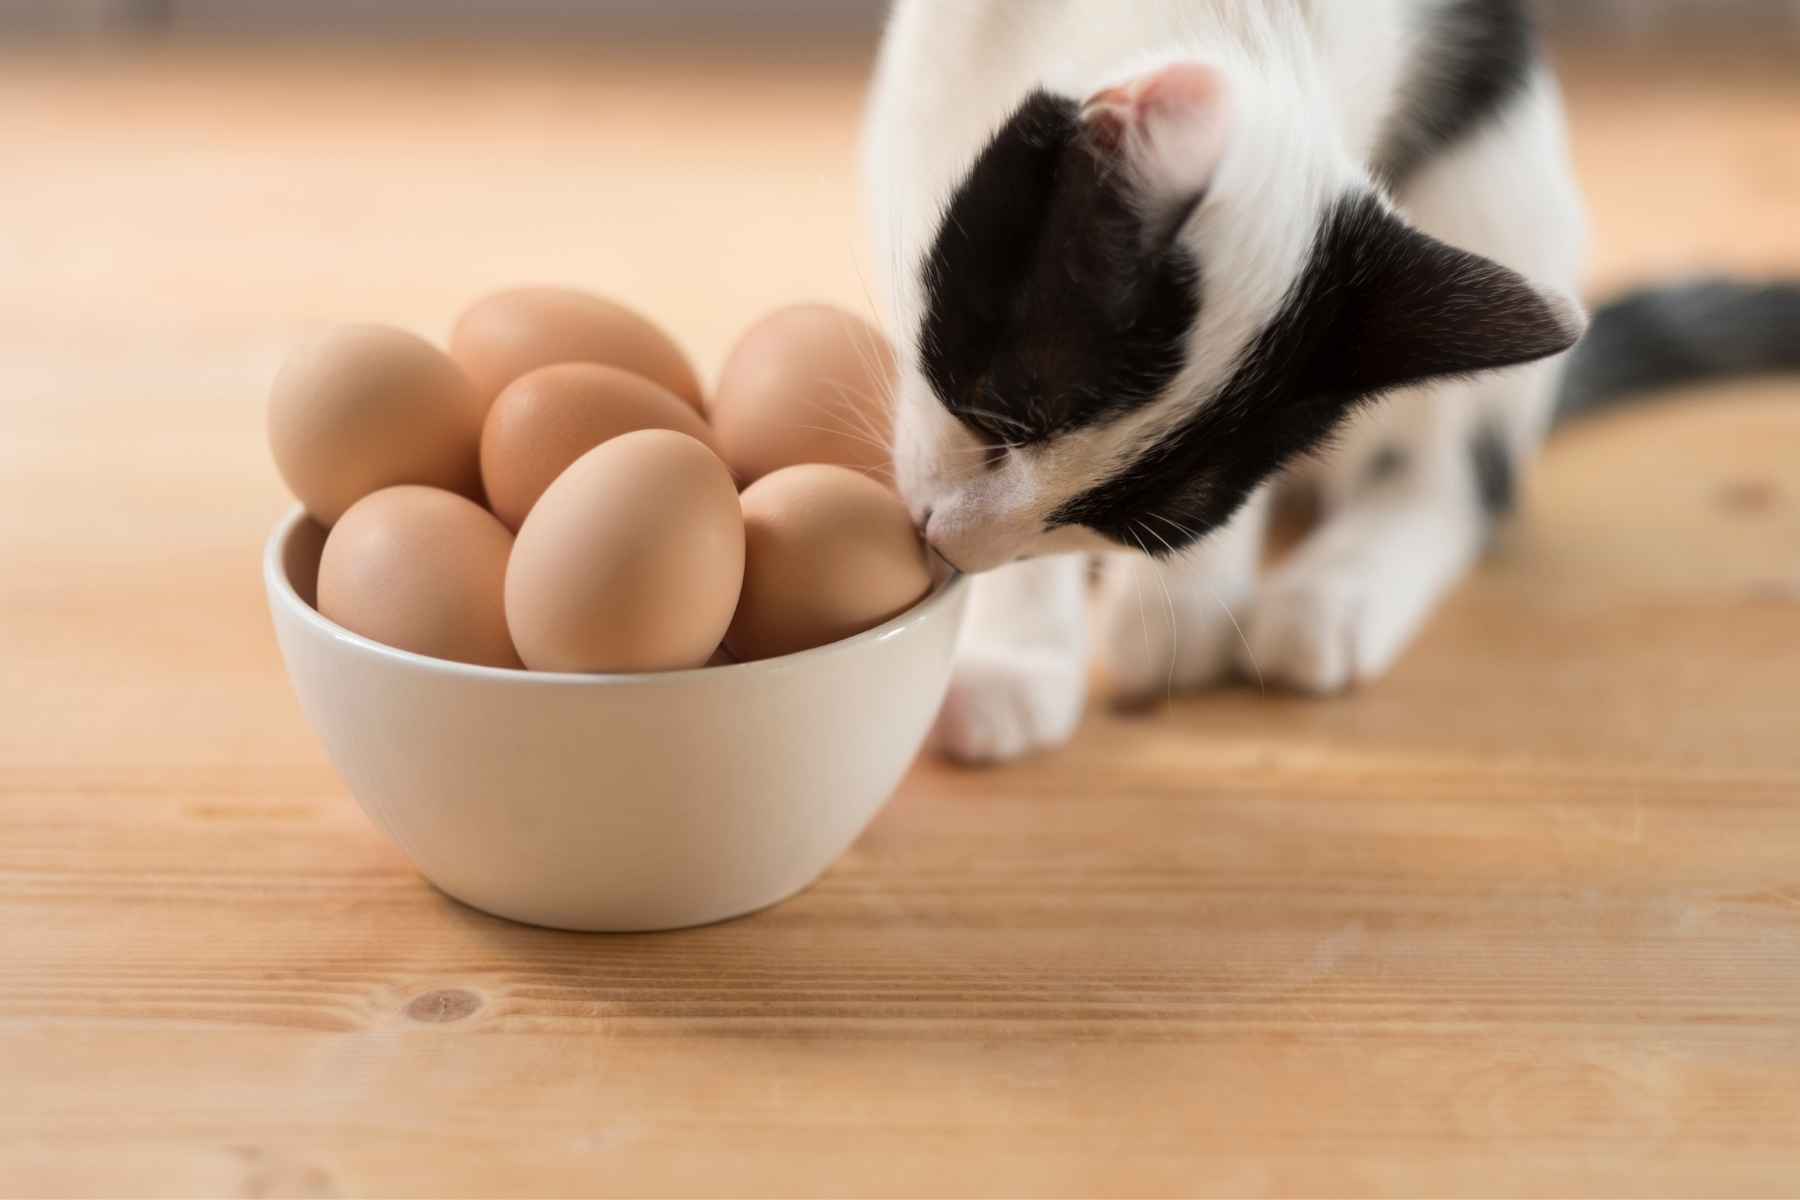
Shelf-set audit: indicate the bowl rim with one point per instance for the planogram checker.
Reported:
(282, 593)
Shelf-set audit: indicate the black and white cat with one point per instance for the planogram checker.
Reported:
(1149, 260)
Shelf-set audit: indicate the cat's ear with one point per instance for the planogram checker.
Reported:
(1167, 131)
(1402, 307)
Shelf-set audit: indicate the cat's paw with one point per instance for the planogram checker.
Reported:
(1154, 642)
(1004, 705)
(1321, 631)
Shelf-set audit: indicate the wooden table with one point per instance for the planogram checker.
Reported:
(1523, 918)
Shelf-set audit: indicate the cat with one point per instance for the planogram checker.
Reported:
(1150, 262)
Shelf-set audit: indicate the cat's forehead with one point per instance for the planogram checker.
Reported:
(1047, 304)
(992, 226)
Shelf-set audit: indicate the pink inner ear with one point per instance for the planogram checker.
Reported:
(1171, 121)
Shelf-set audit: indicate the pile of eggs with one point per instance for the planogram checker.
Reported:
(555, 492)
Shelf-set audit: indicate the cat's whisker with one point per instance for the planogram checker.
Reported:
(1178, 527)
(854, 411)
(854, 395)
(1137, 585)
(997, 418)
(845, 413)
(1249, 651)
(869, 355)
(849, 411)
(845, 434)
(963, 451)
(876, 359)
(856, 421)
(1174, 625)
(886, 382)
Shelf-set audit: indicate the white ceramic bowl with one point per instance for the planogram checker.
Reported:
(617, 802)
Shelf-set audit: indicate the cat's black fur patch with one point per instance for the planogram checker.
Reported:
(1379, 306)
(1050, 303)
(1475, 59)
(1496, 475)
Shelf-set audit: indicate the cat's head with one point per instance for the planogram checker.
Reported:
(1139, 306)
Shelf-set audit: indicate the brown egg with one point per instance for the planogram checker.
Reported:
(630, 561)
(807, 384)
(828, 553)
(422, 570)
(368, 407)
(550, 417)
(509, 333)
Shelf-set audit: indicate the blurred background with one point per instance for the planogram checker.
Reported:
(683, 18)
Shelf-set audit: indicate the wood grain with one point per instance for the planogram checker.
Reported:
(1525, 918)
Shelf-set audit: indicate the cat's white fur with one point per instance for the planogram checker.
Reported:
(1309, 85)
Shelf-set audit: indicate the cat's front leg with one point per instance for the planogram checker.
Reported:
(1020, 681)
(1174, 625)
(1411, 497)
(1359, 590)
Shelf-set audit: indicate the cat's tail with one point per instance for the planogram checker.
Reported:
(1687, 333)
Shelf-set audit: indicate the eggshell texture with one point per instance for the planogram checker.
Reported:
(509, 333)
(548, 418)
(630, 561)
(422, 570)
(368, 407)
(829, 553)
(807, 384)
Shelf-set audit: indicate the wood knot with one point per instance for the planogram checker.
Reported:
(1749, 497)
(442, 1005)
(1783, 590)
(269, 1173)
